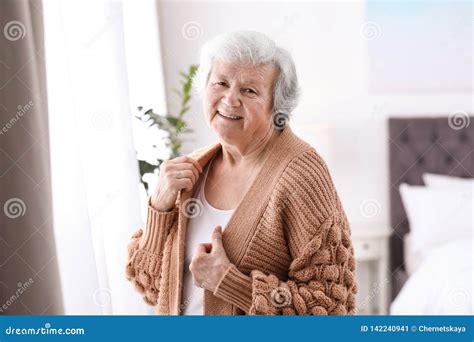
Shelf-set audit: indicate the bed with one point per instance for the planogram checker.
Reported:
(436, 278)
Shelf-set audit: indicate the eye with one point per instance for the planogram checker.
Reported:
(249, 90)
(220, 83)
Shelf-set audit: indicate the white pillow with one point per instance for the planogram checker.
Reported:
(437, 214)
(413, 259)
(431, 179)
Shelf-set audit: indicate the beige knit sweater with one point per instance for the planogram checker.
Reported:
(288, 240)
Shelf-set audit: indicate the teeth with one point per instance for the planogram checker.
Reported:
(229, 116)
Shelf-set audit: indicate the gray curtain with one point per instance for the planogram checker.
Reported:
(29, 279)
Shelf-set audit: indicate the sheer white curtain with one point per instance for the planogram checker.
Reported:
(96, 200)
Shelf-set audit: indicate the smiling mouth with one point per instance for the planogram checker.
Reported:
(229, 117)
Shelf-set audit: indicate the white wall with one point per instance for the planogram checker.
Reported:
(332, 61)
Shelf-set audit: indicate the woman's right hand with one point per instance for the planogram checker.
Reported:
(175, 174)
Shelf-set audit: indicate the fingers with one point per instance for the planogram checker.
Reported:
(204, 248)
(178, 170)
(186, 174)
(175, 174)
(172, 169)
(183, 167)
(201, 249)
(183, 183)
(217, 239)
(186, 159)
(208, 247)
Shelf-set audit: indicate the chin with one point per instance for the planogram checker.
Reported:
(230, 137)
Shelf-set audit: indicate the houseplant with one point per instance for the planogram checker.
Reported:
(174, 125)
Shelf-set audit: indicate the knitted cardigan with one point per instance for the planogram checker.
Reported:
(288, 240)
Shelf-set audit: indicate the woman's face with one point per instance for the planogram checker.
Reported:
(239, 101)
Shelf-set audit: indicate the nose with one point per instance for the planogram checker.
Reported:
(231, 98)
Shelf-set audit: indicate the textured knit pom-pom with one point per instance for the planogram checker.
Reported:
(339, 292)
(305, 274)
(330, 272)
(273, 281)
(261, 303)
(350, 299)
(314, 245)
(316, 285)
(137, 234)
(152, 295)
(131, 248)
(145, 279)
(342, 254)
(148, 301)
(130, 271)
(321, 299)
(346, 239)
(298, 264)
(319, 311)
(323, 256)
(334, 236)
(299, 304)
(138, 286)
(348, 278)
(257, 275)
(287, 311)
(306, 294)
(351, 263)
(292, 286)
(339, 310)
(157, 283)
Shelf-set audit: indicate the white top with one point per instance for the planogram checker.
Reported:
(199, 230)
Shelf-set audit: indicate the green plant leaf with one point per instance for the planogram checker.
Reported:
(173, 125)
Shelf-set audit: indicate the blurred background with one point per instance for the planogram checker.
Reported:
(95, 94)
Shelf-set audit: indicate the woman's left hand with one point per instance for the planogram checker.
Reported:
(210, 262)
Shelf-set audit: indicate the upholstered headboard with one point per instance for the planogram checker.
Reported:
(439, 145)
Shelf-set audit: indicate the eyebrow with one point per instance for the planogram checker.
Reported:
(249, 81)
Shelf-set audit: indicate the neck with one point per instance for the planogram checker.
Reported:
(233, 156)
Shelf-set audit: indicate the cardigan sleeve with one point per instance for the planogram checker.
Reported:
(321, 276)
(145, 253)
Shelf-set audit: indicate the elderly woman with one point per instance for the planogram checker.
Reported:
(251, 224)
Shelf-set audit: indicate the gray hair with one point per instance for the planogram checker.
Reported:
(257, 49)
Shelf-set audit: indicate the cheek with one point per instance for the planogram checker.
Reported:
(211, 101)
(208, 104)
(259, 110)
